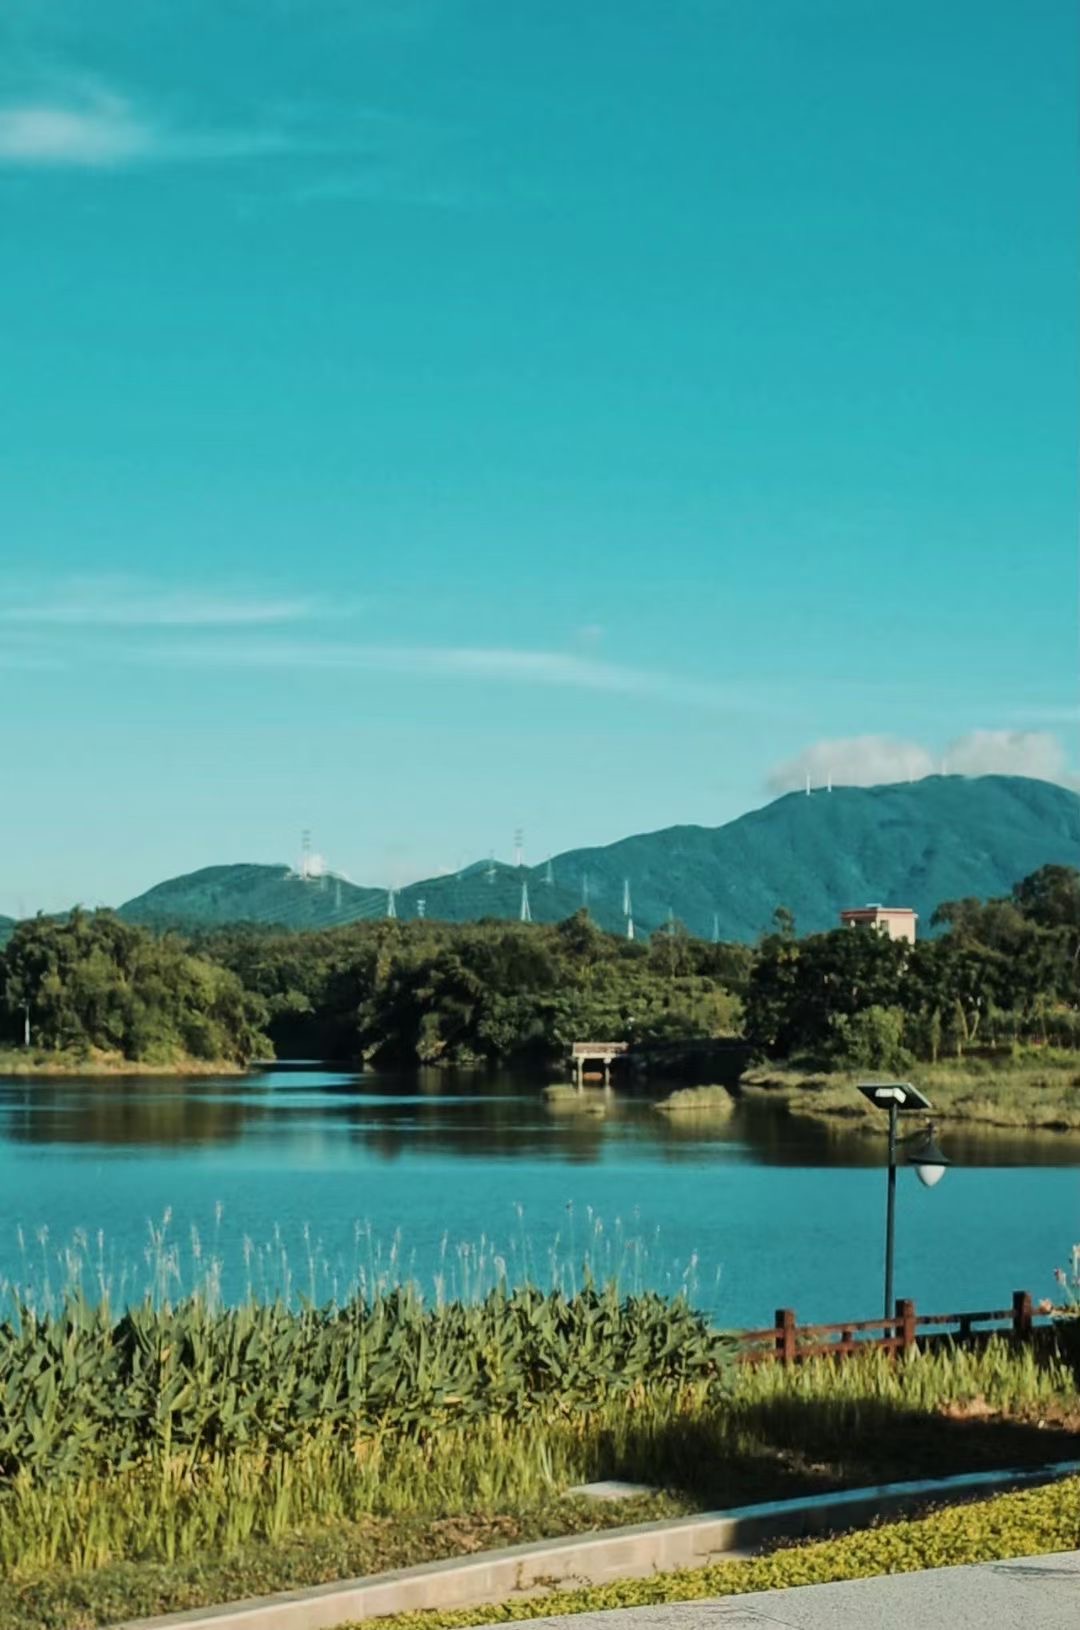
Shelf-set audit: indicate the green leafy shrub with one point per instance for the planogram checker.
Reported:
(80, 1393)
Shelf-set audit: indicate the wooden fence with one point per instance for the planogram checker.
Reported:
(788, 1342)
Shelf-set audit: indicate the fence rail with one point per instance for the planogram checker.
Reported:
(788, 1342)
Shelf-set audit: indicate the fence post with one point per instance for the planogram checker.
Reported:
(785, 1335)
(1022, 1320)
(905, 1325)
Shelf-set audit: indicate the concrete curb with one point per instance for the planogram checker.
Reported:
(593, 1559)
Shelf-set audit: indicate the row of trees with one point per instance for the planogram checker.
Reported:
(432, 992)
(91, 981)
(997, 971)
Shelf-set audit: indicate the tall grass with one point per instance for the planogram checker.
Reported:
(777, 1430)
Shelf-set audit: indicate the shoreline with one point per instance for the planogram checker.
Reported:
(106, 1066)
(1033, 1096)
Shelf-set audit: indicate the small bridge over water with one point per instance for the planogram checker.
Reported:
(600, 1055)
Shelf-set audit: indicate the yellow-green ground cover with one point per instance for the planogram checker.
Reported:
(1030, 1522)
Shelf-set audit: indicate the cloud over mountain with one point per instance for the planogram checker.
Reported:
(876, 760)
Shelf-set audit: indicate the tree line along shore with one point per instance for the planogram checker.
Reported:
(986, 1010)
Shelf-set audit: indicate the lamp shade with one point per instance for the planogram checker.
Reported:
(929, 1160)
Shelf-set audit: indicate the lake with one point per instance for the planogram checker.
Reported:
(312, 1179)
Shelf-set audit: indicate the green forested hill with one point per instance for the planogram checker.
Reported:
(273, 895)
(913, 844)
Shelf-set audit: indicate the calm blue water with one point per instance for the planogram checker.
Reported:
(309, 1176)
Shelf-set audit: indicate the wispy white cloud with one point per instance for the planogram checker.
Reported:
(869, 761)
(98, 129)
(119, 603)
(558, 669)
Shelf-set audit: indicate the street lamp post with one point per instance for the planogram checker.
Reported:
(928, 1160)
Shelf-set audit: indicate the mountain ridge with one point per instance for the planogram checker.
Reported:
(906, 843)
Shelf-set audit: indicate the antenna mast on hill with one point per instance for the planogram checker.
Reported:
(519, 846)
(490, 873)
(828, 784)
(549, 872)
(525, 913)
(421, 909)
(808, 783)
(716, 928)
(627, 911)
(305, 854)
(391, 904)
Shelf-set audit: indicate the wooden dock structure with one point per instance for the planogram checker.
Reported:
(598, 1053)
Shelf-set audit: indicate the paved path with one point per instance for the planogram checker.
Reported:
(1032, 1593)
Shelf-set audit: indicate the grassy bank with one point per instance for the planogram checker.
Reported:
(187, 1526)
(1031, 1522)
(1039, 1091)
(93, 1061)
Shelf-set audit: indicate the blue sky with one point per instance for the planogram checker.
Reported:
(420, 418)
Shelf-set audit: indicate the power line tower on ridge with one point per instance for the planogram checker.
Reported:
(391, 904)
(525, 914)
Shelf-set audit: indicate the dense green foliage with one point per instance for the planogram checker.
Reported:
(80, 1393)
(92, 982)
(999, 973)
(913, 844)
(1002, 971)
(432, 992)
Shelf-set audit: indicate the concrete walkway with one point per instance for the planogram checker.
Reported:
(1032, 1593)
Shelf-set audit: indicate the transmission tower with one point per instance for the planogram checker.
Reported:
(519, 846)
(716, 928)
(421, 909)
(391, 904)
(626, 897)
(525, 914)
(305, 854)
(549, 873)
(491, 874)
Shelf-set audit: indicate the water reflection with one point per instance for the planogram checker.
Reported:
(463, 1115)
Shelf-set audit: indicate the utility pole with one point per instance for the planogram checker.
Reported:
(526, 914)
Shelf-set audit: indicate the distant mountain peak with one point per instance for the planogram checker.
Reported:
(908, 843)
